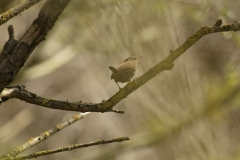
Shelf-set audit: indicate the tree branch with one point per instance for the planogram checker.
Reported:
(42, 137)
(16, 10)
(21, 93)
(69, 148)
(14, 55)
(105, 106)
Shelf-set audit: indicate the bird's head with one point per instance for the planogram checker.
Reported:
(134, 59)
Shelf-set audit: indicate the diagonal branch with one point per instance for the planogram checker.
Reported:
(72, 147)
(104, 106)
(14, 56)
(42, 137)
(4, 17)
(167, 63)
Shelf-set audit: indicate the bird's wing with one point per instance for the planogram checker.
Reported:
(127, 67)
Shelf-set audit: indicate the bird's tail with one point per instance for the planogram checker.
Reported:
(114, 70)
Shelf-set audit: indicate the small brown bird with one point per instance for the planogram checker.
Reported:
(126, 71)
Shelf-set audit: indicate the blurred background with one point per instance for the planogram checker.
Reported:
(188, 113)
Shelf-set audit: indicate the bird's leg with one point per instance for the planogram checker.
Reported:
(118, 86)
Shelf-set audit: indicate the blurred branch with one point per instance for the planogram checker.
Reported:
(105, 106)
(14, 56)
(4, 17)
(49, 65)
(45, 135)
(69, 148)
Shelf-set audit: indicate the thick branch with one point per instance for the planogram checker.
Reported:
(104, 106)
(45, 135)
(14, 55)
(16, 10)
(21, 93)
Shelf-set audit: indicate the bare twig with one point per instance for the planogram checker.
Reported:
(117, 111)
(11, 32)
(21, 93)
(10, 44)
(45, 135)
(69, 148)
(16, 10)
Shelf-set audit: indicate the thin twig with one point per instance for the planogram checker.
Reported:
(43, 136)
(117, 111)
(4, 17)
(69, 148)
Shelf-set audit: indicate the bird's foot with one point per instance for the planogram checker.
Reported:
(135, 80)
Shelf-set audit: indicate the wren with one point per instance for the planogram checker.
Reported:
(126, 71)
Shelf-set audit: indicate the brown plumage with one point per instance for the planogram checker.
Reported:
(126, 71)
